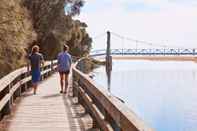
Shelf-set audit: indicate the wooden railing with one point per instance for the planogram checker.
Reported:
(17, 82)
(108, 113)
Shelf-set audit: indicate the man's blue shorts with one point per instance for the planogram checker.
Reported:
(35, 76)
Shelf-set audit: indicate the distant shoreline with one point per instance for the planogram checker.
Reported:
(158, 58)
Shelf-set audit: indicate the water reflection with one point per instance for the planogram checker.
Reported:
(164, 94)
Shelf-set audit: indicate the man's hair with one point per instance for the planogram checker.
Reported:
(65, 47)
(35, 49)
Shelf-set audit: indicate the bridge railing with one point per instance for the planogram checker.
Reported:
(108, 113)
(151, 51)
(17, 82)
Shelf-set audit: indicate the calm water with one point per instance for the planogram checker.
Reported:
(163, 94)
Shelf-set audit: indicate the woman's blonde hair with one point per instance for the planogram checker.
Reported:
(35, 49)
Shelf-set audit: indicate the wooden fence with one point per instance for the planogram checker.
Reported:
(17, 82)
(108, 113)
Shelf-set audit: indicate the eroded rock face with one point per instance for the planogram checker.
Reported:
(24, 23)
(54, 28)
(16, 33)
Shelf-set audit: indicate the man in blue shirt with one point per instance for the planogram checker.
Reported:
(64, 64)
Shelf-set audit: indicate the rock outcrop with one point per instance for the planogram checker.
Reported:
(24, 23)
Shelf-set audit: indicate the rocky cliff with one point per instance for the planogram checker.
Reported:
(24, 23)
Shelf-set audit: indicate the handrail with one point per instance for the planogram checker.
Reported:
(16, 82)
(108, 113)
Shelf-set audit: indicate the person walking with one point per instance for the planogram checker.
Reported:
(36, 60)
(64, 65)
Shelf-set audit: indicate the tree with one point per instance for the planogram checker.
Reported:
(73, 7)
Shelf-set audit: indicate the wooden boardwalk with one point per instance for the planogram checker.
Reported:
(48, 110)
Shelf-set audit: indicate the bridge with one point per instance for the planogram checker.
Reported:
(147, 52)
(134, 47)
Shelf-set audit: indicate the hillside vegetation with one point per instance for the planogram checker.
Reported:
(24, 23)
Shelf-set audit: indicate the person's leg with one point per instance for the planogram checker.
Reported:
(61, 82)
(35, 80)
(66, 82)
(35, 86)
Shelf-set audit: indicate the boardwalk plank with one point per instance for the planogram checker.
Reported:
(47, 111)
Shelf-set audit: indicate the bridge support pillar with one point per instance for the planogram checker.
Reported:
(108, 53)
(108, 60)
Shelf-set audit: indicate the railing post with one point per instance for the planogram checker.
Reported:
(109, 119)
(20, 88)
(52, 66)
(75, 84)
(7, 107)
(26, 84)
(26, 75)
(11, 97)
(18, 91)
